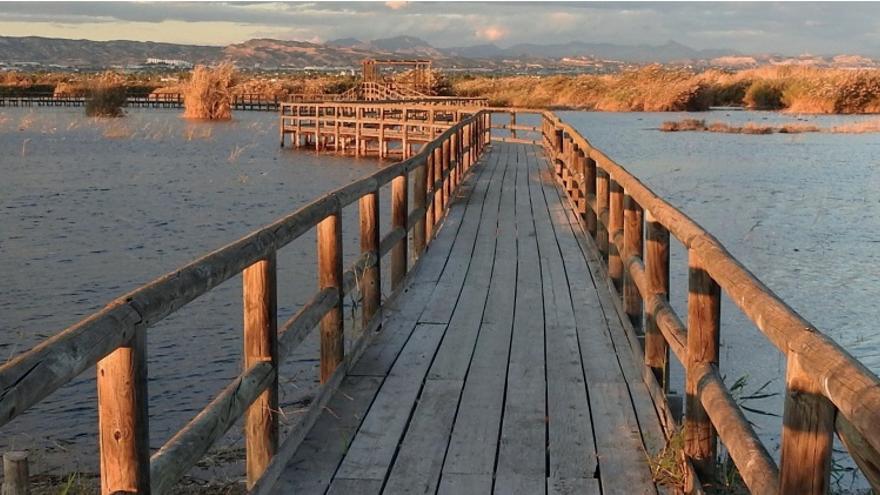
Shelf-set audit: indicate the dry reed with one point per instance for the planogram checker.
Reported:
(208, 94)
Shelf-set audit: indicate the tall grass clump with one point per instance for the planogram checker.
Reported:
(106, 96)
(208, 94)
(763, 95)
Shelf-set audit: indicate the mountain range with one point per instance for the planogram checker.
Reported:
(348, 52)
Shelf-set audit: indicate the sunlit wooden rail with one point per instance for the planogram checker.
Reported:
(113, 339)
(827, 390)
(383, 129)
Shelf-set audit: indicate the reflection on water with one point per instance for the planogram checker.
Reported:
(90, 209)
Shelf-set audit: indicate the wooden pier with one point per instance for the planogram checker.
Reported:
(524, 349)
(247, 102)
(383, 129)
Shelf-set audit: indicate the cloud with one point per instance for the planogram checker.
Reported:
(396, 5)
(491, 33)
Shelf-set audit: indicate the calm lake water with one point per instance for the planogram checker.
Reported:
(91, 209)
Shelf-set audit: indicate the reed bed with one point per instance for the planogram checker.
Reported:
(208, 94)
(656, 88)
(696, 125)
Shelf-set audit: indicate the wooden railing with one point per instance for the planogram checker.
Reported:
(827, 390)
(382, 128)
(113, 339)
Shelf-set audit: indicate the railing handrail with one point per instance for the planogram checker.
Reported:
(32, 375)
(827, 369)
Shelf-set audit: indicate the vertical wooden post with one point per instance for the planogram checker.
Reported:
(580, 161)
(123, 420)
(261, 345)
(704, 316)
(371, 288)
(329, 235)
(447, 182)
(657, 275)
(429, 192)
(602, 199)
(398, 220)
(633, 227)
(512, 125)
(807, 433)
(16, 476)
(419, 200)
(439, 201)
(615, 225)
(590, 192)
(453, 150)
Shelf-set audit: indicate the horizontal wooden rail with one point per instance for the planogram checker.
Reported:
(823, 368)
(120, 326)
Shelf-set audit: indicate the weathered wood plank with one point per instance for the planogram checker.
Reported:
(473, 443)
(570, 436)
(522, 449)
(311, 468)
(459, 483)
(419, 461)
(372, 450)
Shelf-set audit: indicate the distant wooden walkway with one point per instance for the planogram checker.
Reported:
(502, 368)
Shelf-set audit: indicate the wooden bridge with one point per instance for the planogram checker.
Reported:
(523, 349)
(256, 102)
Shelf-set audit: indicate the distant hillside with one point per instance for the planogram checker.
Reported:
(348, 52)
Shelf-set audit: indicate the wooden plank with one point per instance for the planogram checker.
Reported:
(419, 461)
(522, 449)
(311, 468)
(459, 259)
(473, 443)
(355, 487)
(372, 450)
(602, 360)
(454, 355)
(419, 466)
(459, 483)
(570, 436)
(573, 486)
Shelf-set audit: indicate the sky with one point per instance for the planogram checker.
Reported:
(791, 28)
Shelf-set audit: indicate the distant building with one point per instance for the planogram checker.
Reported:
(170, 62)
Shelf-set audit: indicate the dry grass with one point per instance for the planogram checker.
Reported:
(208, 94)
(858, 127)
(750, 127)
(656, 88)
(106, 96)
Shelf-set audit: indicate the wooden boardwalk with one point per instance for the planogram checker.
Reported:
(502, 368)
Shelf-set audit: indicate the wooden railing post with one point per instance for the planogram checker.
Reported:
(439, 200)
(371, 288)
(447, 181)
(704, 313)
(16, 475)
(807, 433)
(419, 200)
(429, 192)
(399, 213)
(454, 156)
(590, 192)
(330, 277)
(261, 344)
(633, 227)
(580, 166)
(602, 199)
(123, 421)
(615, 226)
(657, 275)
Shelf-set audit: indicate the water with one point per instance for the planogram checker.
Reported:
(91, 209)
